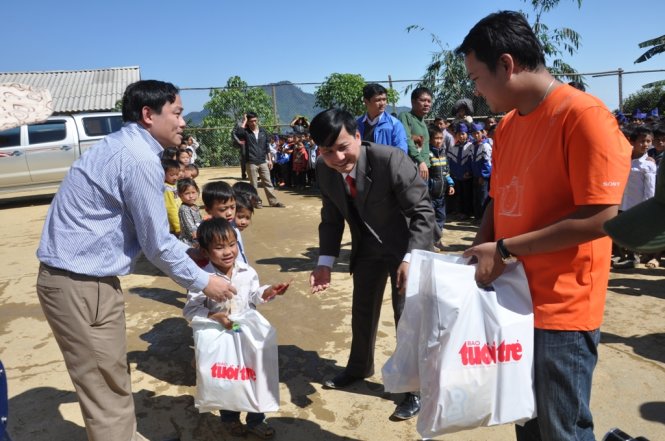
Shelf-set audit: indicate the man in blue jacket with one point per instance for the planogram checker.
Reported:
(376, 125)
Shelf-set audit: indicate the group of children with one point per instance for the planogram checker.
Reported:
(179, 180)
(217, 246)
(648, 141)
(294, 156)
(460, 171)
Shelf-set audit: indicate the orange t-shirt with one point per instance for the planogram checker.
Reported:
(566, 153)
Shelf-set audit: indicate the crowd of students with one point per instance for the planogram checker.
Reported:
(646, 134)
(461, 168)
(294, 155)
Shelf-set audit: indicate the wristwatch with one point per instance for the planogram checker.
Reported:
(505, 255)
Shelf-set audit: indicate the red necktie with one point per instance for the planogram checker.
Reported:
(352, 186)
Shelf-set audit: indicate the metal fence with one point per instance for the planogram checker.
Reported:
(291, 99)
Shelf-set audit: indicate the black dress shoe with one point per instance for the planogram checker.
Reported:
(408, 408)
(341, 381)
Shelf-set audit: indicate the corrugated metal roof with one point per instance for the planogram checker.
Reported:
(80, 90)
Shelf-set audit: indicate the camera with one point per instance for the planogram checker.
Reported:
(619, 435)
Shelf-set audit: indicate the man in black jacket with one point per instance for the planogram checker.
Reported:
(257, 155)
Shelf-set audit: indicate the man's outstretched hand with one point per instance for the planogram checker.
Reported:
(319, 280)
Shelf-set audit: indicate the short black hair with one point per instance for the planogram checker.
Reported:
(420, 91)
(659, 130)
(243, 202)
(217, 191)
(434, 130)
(151, 93)
(191, 166)
(248, 191)
(170, 153)
(373, 89)
(184, 184)
(327, 125)
(215, 228)
(638, 131)
(251, 115)
(170, 164)
(504, 32)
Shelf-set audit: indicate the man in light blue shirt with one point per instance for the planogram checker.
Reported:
(109, 207)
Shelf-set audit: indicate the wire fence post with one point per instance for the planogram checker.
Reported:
(274, 108)
(620, 76)
(390, 85)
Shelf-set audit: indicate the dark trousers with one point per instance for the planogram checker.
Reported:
(284, 174)
(243, 162)
(371, 270)
(480, 195)
(252, 419)
(299, 178)
(439, 206)
(563, 365)
(462, 201)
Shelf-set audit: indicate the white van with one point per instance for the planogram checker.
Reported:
(38, 156)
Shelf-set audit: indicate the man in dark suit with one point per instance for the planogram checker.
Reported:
(378, 191)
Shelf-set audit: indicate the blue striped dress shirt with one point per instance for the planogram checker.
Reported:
(109, 207)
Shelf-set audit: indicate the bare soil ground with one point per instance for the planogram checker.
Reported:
(314, 338)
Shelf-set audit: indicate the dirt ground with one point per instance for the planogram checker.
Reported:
(314, 338)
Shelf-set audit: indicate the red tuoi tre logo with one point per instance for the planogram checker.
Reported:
(229, 372)
(474, 354)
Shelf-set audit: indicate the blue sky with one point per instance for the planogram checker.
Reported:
(203, 43)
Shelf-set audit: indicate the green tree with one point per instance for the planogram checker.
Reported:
(657, 47)
(556, 42)
(226, 108)
(345, 91)
(446, 75)
(645, 99)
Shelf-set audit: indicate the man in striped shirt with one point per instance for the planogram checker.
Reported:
(110, 207)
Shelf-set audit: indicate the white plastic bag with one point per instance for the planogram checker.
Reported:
(476, 363)
(475, 347)
(236, 370)
(400, 373)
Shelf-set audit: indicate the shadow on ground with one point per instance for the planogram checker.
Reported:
(637, 287)
(653, 411)
(170, 354)
(648, 346)
(308, 259)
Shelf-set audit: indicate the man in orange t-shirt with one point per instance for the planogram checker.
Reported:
(560, 165)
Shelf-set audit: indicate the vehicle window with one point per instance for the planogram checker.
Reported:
(10, 137)
(48, 131)
(101, 125)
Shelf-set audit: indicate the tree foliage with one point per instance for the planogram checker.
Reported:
(645, 99)
(657, 47)
(226, 107)
(556, 42)
(345, 91)
(446, 75)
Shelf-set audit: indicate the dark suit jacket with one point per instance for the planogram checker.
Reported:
(392, 199)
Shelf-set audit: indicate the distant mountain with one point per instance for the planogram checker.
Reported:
(196, 118)
(291, 101)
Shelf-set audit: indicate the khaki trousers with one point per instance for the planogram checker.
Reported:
(87, 316)
(261, 171)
